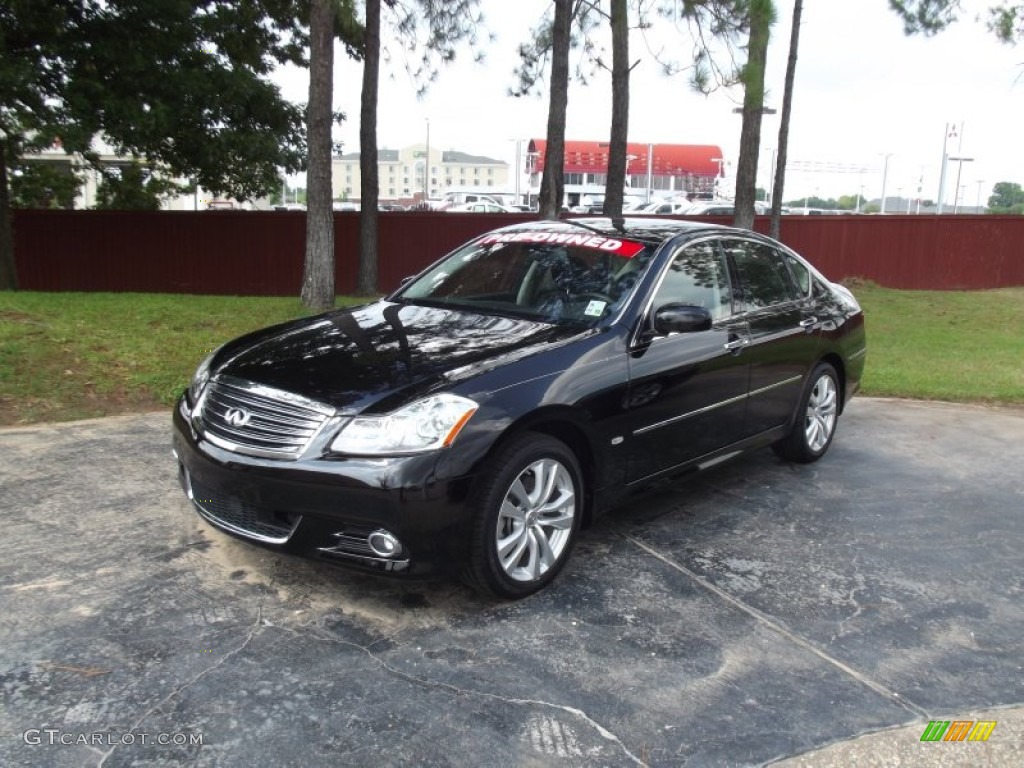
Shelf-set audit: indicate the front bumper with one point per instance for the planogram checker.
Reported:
(345, 511)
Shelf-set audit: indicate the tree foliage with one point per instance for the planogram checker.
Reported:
(536, 55)
(133, 188)
(714, 28)
(1007, 197)
(42, 184)
(730, 47)
(573, 26)
(178, 82)
(422, 36)
(1005, 19)
(425, 35)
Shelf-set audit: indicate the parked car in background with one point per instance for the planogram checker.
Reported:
(723, 208)
(481, 206)
(455, 198)
(710, 208)
(665, 208)
(594, 203)
(474, 420)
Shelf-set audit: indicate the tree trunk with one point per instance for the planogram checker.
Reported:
(318, 279)
(8, 272)
(787, 107)
(617, 158)
(753, 109)
(369, 184)
(552, 184)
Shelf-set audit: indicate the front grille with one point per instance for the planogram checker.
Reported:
(241, 518)
(259, 421)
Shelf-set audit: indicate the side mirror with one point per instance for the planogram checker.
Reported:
(681, 318)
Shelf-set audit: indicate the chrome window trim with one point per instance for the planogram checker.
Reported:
(646, 312)
(713, 406)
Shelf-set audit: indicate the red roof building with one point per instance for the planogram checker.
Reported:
(673, 167)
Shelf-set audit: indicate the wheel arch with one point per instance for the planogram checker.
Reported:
(563, 424)
(836, 361)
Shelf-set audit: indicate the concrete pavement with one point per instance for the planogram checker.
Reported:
(760, 612)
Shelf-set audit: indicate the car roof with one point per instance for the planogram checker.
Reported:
(646, 230)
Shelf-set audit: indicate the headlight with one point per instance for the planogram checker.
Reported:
(431, 423)
(201, 376)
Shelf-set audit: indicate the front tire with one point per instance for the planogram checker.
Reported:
(815, 422)
(527, 509)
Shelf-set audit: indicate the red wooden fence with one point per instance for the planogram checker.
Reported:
(261, 253)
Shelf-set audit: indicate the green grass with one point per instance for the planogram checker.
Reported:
(79, 355)
(945, 345)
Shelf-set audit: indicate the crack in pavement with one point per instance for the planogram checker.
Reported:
(253, 630)
(773, 625)
(604, 732)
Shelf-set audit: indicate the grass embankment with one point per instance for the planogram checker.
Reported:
(79, 355)
(964, 346)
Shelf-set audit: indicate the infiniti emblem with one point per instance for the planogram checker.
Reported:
(237, 417)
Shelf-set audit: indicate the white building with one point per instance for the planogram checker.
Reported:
(417, 172)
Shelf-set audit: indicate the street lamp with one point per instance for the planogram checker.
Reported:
(960, 166)
(426, 167)
(885, 176)
(951, 133)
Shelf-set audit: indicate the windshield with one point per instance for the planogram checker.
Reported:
(550, 276)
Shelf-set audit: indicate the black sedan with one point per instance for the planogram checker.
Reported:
(476, 418)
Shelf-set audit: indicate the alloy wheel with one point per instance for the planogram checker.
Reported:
(535, 521)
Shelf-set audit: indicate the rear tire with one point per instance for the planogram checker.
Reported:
(527, 508)
(816, 419)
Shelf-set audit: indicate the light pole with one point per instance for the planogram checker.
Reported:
(531, 169)
(426, 167)
(885, 176)
(951, 133)
(650, 170)
(720, 161)
(960, 166)
(977, 202)
(518, 167)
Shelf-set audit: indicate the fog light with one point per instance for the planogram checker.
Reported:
(384, 544)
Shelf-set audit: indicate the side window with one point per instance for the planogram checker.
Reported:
(765, 278)
(801, 273)
(697, 275)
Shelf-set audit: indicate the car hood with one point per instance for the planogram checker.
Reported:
(381, 355)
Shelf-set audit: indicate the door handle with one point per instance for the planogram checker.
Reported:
(809, 322)
(738, 343)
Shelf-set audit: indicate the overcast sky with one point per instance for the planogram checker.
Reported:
(863, 90)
